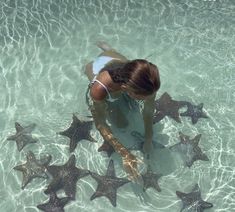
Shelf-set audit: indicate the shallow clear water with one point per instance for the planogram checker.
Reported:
(44, 45)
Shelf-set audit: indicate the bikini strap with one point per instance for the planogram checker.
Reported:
(106, 89)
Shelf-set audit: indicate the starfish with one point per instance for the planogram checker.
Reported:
(165, 106)
(55, 204)
(190, 149)
(195, 112)
(33, 168)
(23, 136)
(108, 184)
(193, 200)
(65, 177)
(139, 142)
(151, 179)
(77, 131)
(107, 148)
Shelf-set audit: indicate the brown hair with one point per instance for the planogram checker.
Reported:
(141, 76)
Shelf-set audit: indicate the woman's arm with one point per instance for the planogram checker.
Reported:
(148, 122)
(129, 161)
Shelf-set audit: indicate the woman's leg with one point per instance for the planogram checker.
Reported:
(89, 71)
(109, 51)
(104, 46)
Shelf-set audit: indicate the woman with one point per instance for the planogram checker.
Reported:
(111, 75)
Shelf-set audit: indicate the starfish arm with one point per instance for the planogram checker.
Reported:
(184, 138)
(92, 139)
(189, 163)
(152, 183)
(26, 180)
(186, 113)
(43, 207)
(30, 156)
(206, 205)
(158, 117)
(97, 177)
(87, 126)
(29, 128)
(71, 161)
(96, 195)
(72, 129)
(110, 170)
(72, 145)
(176, 117)
(23, 140)
(120, 182)
(147, 185)
(196, 189)
(67, 132)
(137, 136)
(54, 170)
(180, 194)
(20, 168)
(12, 137)
(200, 106)
(175, 147)
(194, 119)
(204, 157)
(197, 139)
(75, 119)
(158, 145)
(183, 103)
(29, 139)
(112, 198)
(54, 186)
(189, 108)
(106, 147)
(20, 144)
(166, 97)
(64, 201)
(156, 178)
(18, 127)
(157, 187)
(45, 160)
(42, 175)
(54, 204)
(82, 173)
(70, 189)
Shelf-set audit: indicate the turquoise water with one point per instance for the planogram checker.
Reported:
(44, 45)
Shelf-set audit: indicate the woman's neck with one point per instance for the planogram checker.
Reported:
(108, 82)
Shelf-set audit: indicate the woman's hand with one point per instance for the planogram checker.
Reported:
(128, 159)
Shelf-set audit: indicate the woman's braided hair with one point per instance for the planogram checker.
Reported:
(141, 76)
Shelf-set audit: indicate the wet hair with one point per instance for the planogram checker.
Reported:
(140, 76)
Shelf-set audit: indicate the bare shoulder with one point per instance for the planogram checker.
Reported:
(97, 92)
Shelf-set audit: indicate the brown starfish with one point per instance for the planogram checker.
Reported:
(77, 131)
(165, 106)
